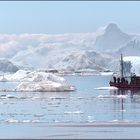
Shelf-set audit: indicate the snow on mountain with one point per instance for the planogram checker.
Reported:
(70, 59)
(80, 60)
(75, 51)
(99, 50)
(131, 48)
(111, 38)
(7, 66)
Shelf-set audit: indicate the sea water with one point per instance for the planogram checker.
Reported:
(27, 114)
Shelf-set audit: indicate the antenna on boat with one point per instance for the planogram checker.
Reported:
(121, 65)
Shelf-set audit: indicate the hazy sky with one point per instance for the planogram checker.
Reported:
(67, 16)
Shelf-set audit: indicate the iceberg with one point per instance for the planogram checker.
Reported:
(28, 76)
(37, 82)
(43, 86)
(41, 76)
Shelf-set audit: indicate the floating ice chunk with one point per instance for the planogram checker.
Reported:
(56, 121)
(121, 121)
(57, 97)
(75, 112)
(91, 119)
(10, 96)
(121, 96)
(38, 82)
(106, 73)
(7, 96)
(26, 121)
(35, 121)
(123, 110)
(39, 115)
(36, 97)
(106, 88)
(3, 96)
(114, 120)
(11, 120)
(43, 86)
(112, 96)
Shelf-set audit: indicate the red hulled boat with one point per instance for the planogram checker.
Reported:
(125, 82)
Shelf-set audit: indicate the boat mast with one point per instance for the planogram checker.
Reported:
(121, 65)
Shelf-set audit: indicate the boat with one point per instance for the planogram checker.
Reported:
(125, 82)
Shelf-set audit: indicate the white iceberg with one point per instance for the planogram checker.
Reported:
(42, 76)
(35, 76)
(20, 74)
(43, 86)
(38, 81)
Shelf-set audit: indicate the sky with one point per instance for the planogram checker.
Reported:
(56, 17)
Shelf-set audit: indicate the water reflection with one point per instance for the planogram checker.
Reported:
(126, 101)
(130, 93)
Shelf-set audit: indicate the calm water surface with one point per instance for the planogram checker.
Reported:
(26, 111)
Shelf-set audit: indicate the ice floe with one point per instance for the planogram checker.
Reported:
(35, 121)
(26, 121)
(106, 73)
(7, 96)
(91, 119)
(74, 112)
(106, 88)
(11, 120)
(112, 96)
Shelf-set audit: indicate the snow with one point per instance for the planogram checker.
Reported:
(7, 66)
(131, 48)
(111, 39)
(98, 50)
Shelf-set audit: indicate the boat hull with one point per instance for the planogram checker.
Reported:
(125, 86)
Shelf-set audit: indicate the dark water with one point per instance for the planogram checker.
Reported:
(31, 111)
